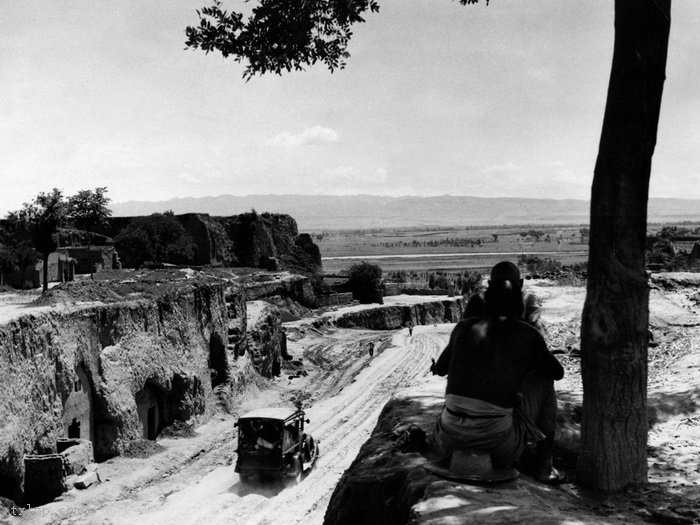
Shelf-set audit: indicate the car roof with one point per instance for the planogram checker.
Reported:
(270, 413)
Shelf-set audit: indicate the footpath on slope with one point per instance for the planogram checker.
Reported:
(191, 479)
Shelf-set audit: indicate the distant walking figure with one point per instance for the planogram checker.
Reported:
(371, 348)
(410, 327)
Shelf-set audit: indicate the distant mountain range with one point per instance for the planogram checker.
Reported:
(330, 212)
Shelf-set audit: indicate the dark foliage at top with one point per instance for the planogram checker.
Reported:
(282, 35)
(157, 238)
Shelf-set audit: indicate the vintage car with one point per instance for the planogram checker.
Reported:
(272, 443)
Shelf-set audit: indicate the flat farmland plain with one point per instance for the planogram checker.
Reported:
(443, 262)
(450, 248)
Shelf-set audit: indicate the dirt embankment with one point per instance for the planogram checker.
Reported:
(387, 483)
(395, 313)
(109, 354)
(344, 388)
(281, 285)
(116, 362)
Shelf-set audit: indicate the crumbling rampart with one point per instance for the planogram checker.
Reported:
(391, 316)
(285, 285)
(267, 342)
(109, 373)
(117, 372)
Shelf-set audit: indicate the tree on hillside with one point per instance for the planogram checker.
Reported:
(87, 209)
(532, 234)
(157, 238)
(39, 221)
(16, 250)
(281, 35)
(660, 252)
(668, 232)
(365, 280)
(16, 255)
(7, 263)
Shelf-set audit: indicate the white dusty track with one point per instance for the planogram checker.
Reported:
(205, 488)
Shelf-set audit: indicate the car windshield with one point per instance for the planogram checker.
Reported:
(260, 434)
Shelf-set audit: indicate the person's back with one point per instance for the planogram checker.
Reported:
(493, 357)
(490, 362)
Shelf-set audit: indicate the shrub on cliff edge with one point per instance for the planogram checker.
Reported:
(365, 280)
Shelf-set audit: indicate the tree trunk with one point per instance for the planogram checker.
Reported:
(45, 272)
(614, 326)
(87, 233)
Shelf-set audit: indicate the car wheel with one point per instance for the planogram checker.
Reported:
(310, 449)
(298, 471)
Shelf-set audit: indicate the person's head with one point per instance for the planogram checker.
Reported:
(503, 296)
(506, 271)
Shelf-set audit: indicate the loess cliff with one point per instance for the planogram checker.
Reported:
(256, 240)
(143, 355)
(397, 311)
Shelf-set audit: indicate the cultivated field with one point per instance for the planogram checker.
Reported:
(450, 249)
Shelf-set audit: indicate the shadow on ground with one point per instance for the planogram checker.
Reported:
(387, 484)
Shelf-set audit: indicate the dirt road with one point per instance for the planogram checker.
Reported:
(193, 480)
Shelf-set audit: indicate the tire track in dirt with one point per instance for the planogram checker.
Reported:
(351, 418)
(347, 394)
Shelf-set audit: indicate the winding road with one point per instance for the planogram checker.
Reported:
(193, 480)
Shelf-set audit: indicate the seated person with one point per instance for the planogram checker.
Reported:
(507, 271)
(500, 390)
(288, 437)
(264, 443)
(266, 436)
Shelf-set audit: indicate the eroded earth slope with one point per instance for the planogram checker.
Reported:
(191, 479)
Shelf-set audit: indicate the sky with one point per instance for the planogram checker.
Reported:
(437, 98)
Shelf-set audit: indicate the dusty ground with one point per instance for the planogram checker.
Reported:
(192, 479)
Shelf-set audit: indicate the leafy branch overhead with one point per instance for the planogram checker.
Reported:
(282, 35)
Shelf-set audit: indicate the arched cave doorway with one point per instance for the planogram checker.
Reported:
(157, 407)
(218, 364)
(78, 408)
(150, 406)
(74, 429)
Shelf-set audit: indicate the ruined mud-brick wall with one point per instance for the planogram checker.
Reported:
(390, 317)
(294, 287)
(164, 348)
(257, 240)
(212, 244)
(260, 238)
(267, 342)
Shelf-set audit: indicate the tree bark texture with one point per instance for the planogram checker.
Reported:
(45, 272)
(614, 328)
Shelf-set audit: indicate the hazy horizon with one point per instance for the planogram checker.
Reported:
(437, 98)
(334, 212)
